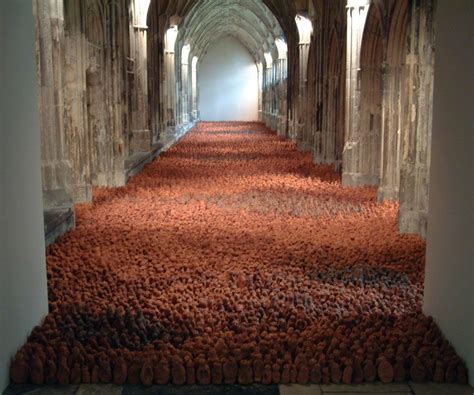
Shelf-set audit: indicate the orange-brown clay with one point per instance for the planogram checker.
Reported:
(232, 258)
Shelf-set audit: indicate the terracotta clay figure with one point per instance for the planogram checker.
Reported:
(233, 258)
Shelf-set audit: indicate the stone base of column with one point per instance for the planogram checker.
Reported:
(282, 132)
(387, 193)
(82, 193)
(413, 222)
(304, 146)
(58, 214)
(170, 129)
(317, 158)
(140, 141)
(266, 119)
(135, 163)
(274, 122)
(358, 180)
(57, 222)
(292, 130)
(183, 129)
(116, 179)
(56, 199)
(300, 137)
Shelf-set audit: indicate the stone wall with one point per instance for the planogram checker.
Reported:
(389, 76)
(94, 75)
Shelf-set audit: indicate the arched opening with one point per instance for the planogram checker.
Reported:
(200, 27)
(228, 83)
(371, 87)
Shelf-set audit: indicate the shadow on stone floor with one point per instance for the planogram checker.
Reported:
(293, 389)
(107, 389)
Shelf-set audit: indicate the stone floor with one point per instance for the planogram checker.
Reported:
(363, 389)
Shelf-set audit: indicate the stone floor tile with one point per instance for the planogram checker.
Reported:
(369, 393)
(295, 389)
(101, 389)
(140, 389)
(202, 390)
(31, 389)
(441, 389)
(369, 388)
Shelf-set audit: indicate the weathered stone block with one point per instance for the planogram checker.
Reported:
(140, 141)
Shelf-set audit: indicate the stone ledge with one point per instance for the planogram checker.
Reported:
(366, 388)
(297, 389)
(255, 389)
(57, 222)
(135, 163)
(441, 389)
(353, 180)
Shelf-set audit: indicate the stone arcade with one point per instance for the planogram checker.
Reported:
(118, 79)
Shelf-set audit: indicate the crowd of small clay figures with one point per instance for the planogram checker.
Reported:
(232, 258)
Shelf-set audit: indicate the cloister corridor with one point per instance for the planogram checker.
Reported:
(236, 197)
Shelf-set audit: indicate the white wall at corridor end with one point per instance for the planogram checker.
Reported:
(449, 279)
(23, 290)
(228, 83)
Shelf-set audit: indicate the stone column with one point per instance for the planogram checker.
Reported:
(305, 30)
(112, 158)
(269, 94)
(185, 83)
(416, 139)
(276, 101)
(75, 111)
(55, 166)
(393, 123)
(267, 89)
(178, 89)
(189, 104)
(194, 84)
(141, 138)
(352, 174)
(155, 71)
(301, 134)
(274, 96)
(317, 89)
(170, 78)
(260, 71)
(282, 104)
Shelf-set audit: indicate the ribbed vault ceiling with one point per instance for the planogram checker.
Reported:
(249, 21)
(284, 10)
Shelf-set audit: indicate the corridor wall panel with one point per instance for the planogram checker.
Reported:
(449, 278)
(23, 289)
